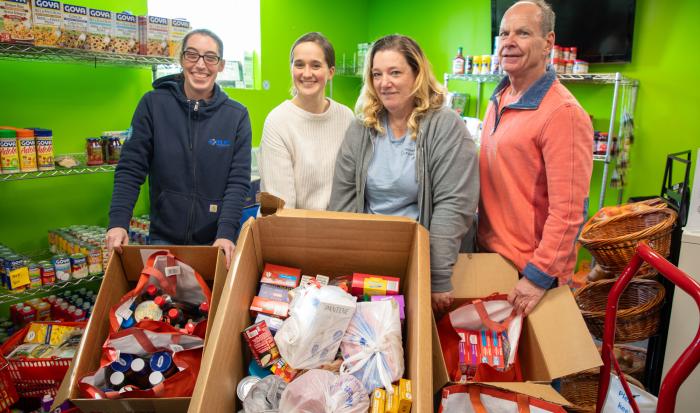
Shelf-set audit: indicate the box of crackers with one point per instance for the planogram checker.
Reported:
(153, 36)
(47, 21)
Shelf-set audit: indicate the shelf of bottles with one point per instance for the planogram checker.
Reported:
(597, 78)
(57, 172)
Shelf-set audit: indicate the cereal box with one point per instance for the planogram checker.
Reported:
(261, 344)
(75, 24)
(153, 35)
(47, 20)
(178, 28)
(16, 21)
(100, 30)
(125, 39)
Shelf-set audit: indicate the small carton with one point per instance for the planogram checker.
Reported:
(16, 21)
(75, 25)
(367, 284)
(279, 275)
(100, 30)
(47, 20)
(378, 401)
(273, 323)
(261, 344)
(269, 307)
(177, 29)
(274, 293)
(392, 400)
(153, 36)
(405, 396)
(125, 38)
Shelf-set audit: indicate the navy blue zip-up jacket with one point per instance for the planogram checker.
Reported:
(196, 154)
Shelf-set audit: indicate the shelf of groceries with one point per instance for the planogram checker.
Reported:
(57, 172)
(597, 78)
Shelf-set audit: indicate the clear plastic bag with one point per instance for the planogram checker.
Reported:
(265, 395)
(320, 391)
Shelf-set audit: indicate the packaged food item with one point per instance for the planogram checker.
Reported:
(245, 385)
(47, 20)
(261, 344)
(114, 150)
(177, 30)
(273, 293)
(283, 370)
(279, 275)
(48, 274)
(100, 30)
(580, 67)
(26, 150)
(319, 280)
(58, 334)
(405, 399)
(9, 159)
(94, 151)
(458, 63)
(148, 310)
(16, 24)
(378, 402)
(66, 161)
(34, 274)
(75, 25)
(263, 396)
(153, 36)
(78, 263)
(37, 333)
(126, 34)
(273, 323)
(23, 350)
(44, 147)
(270, 307)
(367, 284)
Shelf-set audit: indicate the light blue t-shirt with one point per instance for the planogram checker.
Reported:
(391, 187)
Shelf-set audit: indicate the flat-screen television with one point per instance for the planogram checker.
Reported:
(601, 30)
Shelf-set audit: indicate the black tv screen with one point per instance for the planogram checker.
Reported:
(600, 29)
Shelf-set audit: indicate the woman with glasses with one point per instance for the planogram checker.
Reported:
(193, 143)
(302, 135)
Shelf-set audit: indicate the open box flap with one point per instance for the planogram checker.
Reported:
(538, 391)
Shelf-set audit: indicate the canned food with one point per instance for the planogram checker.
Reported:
(78, 264)
(94, 260)
(34, 274)
(26, 150)
(44, 149)
(12, 262)
(245, 385)
(9, 158)
(62, 267)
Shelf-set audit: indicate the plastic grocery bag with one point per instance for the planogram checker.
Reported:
(320, 391)
(473, 398)
(265, 395)
(372, 348)
(616, 400)
(311, 335)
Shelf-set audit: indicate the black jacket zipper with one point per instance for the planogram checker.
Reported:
(193, 141)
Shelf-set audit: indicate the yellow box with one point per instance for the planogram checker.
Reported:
(392, 401)
(405, 396)
(378, 401)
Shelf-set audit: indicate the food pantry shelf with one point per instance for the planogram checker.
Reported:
(7, 296)
(600, 78)
(57, 172)
(49, 54)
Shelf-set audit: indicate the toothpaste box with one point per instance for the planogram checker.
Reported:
(16, 21)
(378, 403)
(367, 284)
(100, 30)
(273, 323)
(75, 26)
(177, 29)
(153, 35)
(125, 36)
(269, 307)
(47, 20)
(281, 276)
(274, 293)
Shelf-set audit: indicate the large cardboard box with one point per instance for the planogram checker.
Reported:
(555, 341)
(120, 277)
(329, 243)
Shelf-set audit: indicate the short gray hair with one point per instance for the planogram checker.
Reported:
(548, 16)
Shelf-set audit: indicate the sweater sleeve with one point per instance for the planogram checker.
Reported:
(238, 183)
(454, 178)
(566, 144)
(344, 191)
(133, 166)
(276, 166)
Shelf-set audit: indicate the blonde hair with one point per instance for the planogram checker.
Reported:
(427, 93)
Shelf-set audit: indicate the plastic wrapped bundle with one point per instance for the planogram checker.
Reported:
(265, 395)
(320, 391)
(372, 348)
(311, 335)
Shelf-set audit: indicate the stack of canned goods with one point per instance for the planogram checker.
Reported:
(12, 268)
(139, 228)
(85, 247)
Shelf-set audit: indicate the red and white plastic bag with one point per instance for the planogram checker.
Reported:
(473, 398)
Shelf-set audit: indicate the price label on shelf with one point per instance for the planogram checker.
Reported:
(19, 277)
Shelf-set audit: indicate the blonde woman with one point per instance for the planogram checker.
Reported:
(301, 136)
(409, 155)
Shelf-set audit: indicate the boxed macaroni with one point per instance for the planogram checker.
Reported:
(100, 30)
(75, 24)
(153, 35)
(15, 21)
(178, 28)
(125, 39)
(47, 20)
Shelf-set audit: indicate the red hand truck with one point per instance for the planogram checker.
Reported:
(687, 362)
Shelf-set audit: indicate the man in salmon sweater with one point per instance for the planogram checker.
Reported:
(535, 161)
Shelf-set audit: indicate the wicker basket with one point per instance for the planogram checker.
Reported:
(613, 242)
(637, 311)
(581, 389)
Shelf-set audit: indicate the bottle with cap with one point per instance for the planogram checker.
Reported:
(117, 380)
(138, 372)
(150, 293)
(155, 378)
(175, 317)
(164, 301)
(162, 362)
(204, 309)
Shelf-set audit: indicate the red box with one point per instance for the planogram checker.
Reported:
(261, 344)
(286, 277)
(368, 284)
(269, 307)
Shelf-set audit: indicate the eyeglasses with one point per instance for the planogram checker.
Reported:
(193, 57)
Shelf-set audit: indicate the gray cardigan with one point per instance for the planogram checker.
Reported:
(447, 171)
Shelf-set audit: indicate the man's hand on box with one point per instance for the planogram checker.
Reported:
(228, 246)
(525, 296)
(441, 302)
(116, 237)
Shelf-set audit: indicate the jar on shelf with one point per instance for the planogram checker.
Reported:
(580, 67)
(114, 150)
(95, 155)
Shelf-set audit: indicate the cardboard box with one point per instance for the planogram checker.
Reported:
(75, 27)
(328, 243)
(16, 25)
(555, 341)
(120, 277)
(177, 30)
(153, 36)
(125, 39)
(47, 20)
(100, 30)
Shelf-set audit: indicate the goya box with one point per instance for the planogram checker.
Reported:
(47, 20)
(153, 36)
(279, 275)
(125, 39)
(16, 21)
(177, 29)
(368, 284)
(75, 25)
(100, 30)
